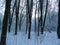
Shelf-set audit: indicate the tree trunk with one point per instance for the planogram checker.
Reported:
(45, 15)
(41, 9)
(58, 30)
(26, 17)
(5, 22)
(35, 15)
(38, 20)
(30, 6)
(17, 14)
(10, 20)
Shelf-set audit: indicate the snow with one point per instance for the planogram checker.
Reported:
(22, 39)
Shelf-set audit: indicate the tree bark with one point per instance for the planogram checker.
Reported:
(45, 16)
(30, 6)
(11, 17)
(5, 22)
(17, 14)
(58, 30)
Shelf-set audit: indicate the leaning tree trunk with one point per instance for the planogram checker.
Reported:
(45, 16)
(10, 20)
(5, 22)
(58, 30)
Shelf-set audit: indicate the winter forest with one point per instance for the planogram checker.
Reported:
(29, 22)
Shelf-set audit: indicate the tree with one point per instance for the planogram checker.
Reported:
(58, 30)
(5, 22)
(26, 17)
(40, 16)
(29, 6)
(35, 15)
(38, 20)
(45, 16)
(41, 9)
(11, 17)
(0, 23)
(17, 14)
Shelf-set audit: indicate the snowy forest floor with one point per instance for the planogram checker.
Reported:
(22, 39)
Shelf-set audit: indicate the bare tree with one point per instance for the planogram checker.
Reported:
(40, 16)
(26, 16)
(22, 15)
(38, 20)
(58, 30)
(41, 9)
(41, 23)
(45, 16)
(5, 22)
(17, 14)
(11, 16)
(35, 15)
(30, 6)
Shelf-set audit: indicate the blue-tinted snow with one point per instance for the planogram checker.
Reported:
(21, 39)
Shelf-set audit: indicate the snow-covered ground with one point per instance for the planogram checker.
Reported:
(22, 39)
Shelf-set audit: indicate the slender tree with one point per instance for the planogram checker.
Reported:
(21, 16)
(30, 6)
(58, 30)
(20, 23)
(40, 16)
(35, 15)
(17, 14)
(11, 16)
(45, 15)
(41, 9)
(26, 16)
(0, 23)
(5, 22)
(38, 20)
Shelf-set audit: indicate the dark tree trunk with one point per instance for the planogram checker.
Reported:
(5, 22)
(41, 20)
(38, 20)
(28, 19)
(30, 6)
(17, 14)
(45, 15)
(58, 30)
(11, 17)
(21, 17)
(41, 8)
